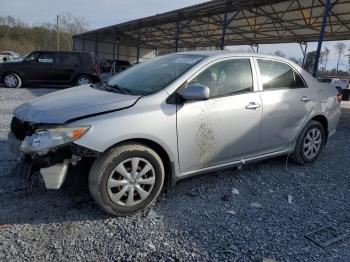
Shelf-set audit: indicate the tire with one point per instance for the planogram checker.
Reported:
(12, 80)
(83, 80)
(111, 186)
(306, 150)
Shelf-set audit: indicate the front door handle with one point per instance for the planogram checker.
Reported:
(305, 99)
(252, 105)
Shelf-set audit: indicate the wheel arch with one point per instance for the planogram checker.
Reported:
(93, 78)
(317, 117)
(11, 71)
(324, 122)
(169, 168)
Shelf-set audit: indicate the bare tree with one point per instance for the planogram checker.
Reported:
(279, 53)
(72, 25)
(295, 60)
(326, 53)
(340, 49)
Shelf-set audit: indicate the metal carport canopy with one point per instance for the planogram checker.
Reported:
(218, 23)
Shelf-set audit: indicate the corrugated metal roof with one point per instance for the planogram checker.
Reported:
(249, 22)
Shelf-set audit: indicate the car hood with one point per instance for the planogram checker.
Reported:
(11, 63)
(62, 106)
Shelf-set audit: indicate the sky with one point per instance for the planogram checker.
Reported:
(100, 13)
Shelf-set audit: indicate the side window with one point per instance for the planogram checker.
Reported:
(69, 58)
(33, 57)
(46, 58)
(277, 75)
(226, 77)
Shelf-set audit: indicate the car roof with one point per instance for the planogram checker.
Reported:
(225, 53)
(53, 51)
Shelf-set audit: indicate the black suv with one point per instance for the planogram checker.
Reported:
(51, 67)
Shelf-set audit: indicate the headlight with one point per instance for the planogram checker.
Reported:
(44, 140)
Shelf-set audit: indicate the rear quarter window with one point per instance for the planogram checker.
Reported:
(69, 58)
(279, 75)
(88, 58)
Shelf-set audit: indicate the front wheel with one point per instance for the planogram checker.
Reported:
(12, 80)
(309, 143)
(126, 179)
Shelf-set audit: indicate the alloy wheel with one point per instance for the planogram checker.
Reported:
(131, 182)
(83, 81)
(312, 143)
(11, 80)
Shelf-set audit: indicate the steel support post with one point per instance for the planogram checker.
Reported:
(177, 34)
(256, 46)
(223, 31)
(303, 47)
(96, 46)
(138, 46)
(113, 45)
(320, 40)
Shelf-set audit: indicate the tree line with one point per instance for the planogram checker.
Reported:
(21, 37)
(341, 52)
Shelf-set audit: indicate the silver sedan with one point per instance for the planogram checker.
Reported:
(172, 117)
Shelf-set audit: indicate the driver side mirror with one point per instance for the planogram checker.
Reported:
(195, 92)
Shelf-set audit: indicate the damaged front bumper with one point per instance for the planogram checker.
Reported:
(53, 166)
(55, 175)
(14, 144)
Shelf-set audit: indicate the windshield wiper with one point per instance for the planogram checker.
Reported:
(111, 87)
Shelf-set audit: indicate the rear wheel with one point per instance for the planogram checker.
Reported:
(83, 80)
(126, 179)
(309, 143)
(12, 80)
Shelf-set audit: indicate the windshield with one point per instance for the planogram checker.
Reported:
(18, 59)
(153, 75)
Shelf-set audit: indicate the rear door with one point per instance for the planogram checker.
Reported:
(66, 67)
(287, 103)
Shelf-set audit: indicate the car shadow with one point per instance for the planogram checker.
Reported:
(43, 90)
(25, 203)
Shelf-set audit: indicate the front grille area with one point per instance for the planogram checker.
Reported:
(21, 129)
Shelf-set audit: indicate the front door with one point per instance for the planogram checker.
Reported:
(226, 127)
(37, 67)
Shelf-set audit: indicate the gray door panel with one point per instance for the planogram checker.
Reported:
(283, 115)
(287, 103)
(217, 131)
(226, 127)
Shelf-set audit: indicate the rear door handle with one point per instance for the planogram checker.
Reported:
(252, 105)
(305, 99)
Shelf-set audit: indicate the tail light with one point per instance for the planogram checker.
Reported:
(97, 68)
(339, 96)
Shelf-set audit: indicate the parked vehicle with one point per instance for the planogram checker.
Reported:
(116, 66)
(110, 68)
(335, 82)
(173, 117)
(8, 55)
(51, 67)
(3, 58)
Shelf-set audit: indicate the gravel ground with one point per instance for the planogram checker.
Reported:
(261, 211)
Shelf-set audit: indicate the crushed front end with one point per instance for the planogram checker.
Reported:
(48, 149)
